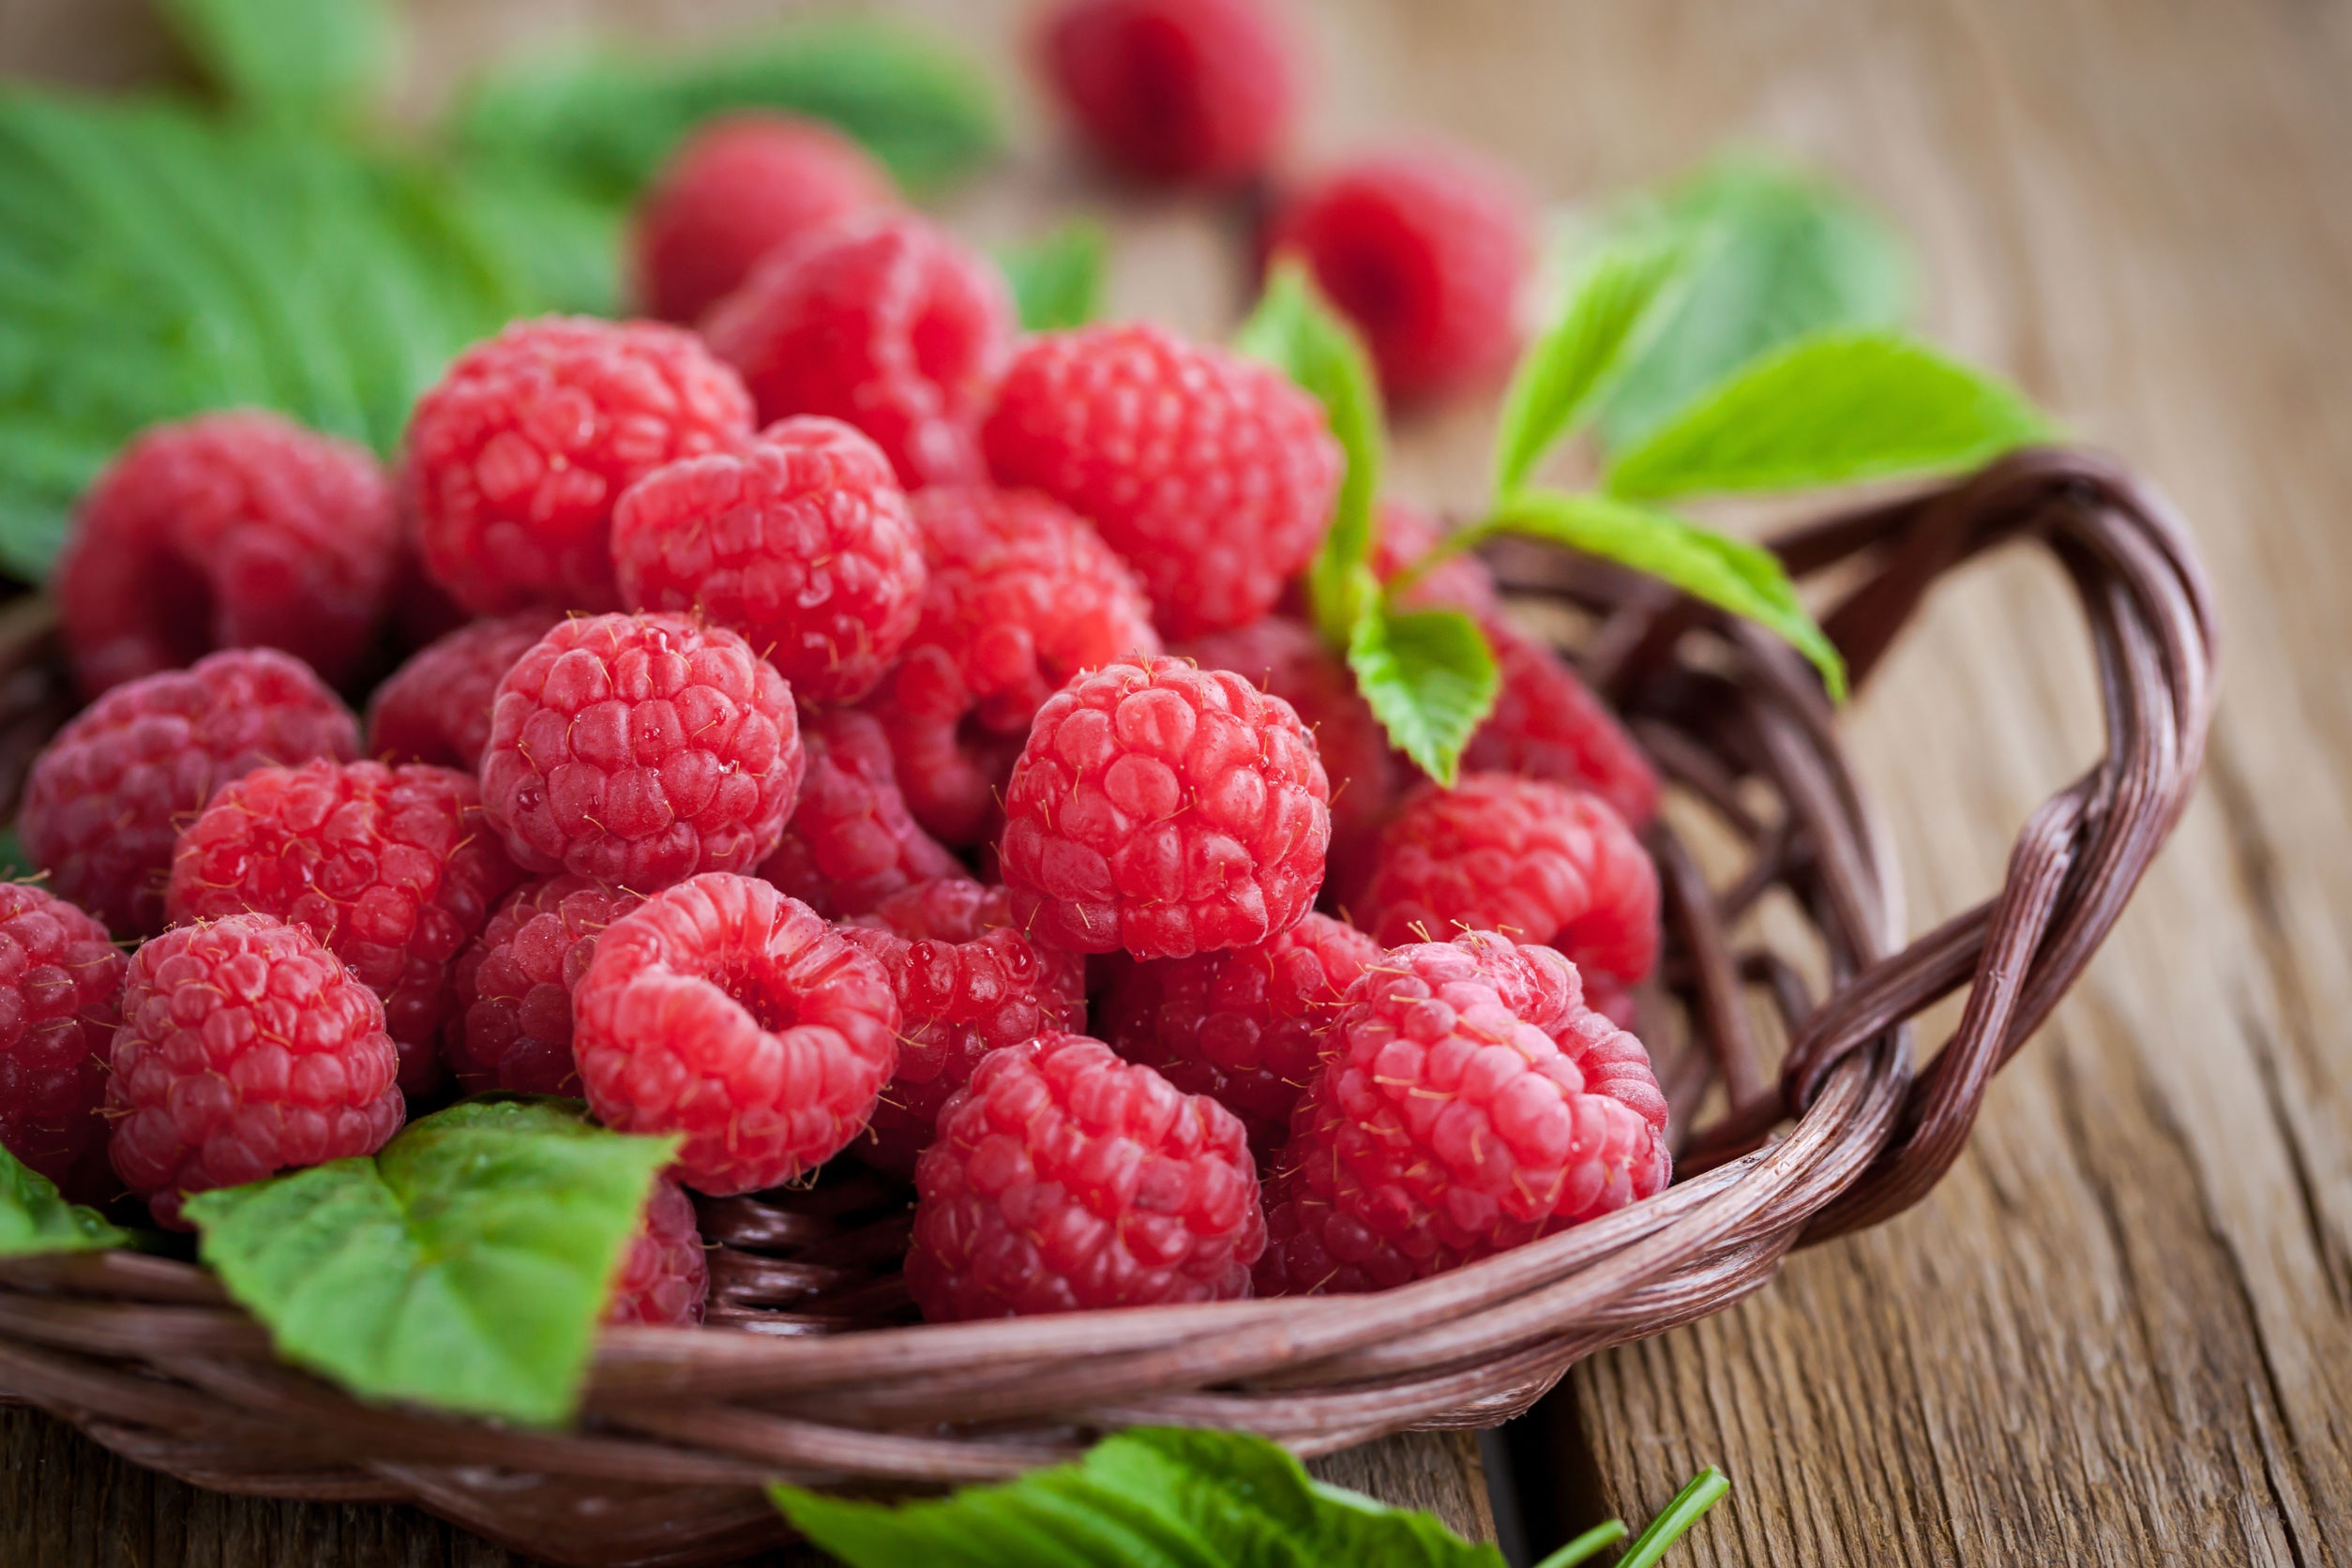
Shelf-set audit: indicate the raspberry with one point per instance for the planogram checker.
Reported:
(1242, 1025)
(1424, 249)
(1063, 1178)
(1212, 476)
(236, 530)
(516, 457)
(722, 1011)
(105, 803)
(1546, 723)
(1470, 1102)
(800, 541)
(881, 318)
(510, 1025)
(849, 843)
(1165, 809)
(246, 1049)
(1023, 596)
(640, 749)
(388, 867)
(664, 1277)
(61, 982)
(1535, 860)
(436, 707)
(1195, 91)
(967, 984)
(741, 186)
(1402, 535)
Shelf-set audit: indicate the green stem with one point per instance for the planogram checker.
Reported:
(1592, 1541)
(1705, 1490)
(1447, 547)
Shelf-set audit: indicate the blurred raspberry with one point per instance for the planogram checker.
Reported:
(436, 707)
(849, 843)
(881, 318)
(516, 457)
(799, 540)
(61, 982)
(1174, 90)
(510, 1027)
(1064, 1178)
(664, 1277)
(1547, 724)
(1402, 535)
(236, 530)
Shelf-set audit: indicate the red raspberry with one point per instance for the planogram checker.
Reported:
(800, 541)
(105, 803)
(967, 984)
(881, 318)
(517, 455)
(1064, 1178)
(1470, 1102)
(640, 749)
(1242, 1025)
(722, 1011)
(510, 1027)
(246, 1049)
(436, 707)
(61, 982)
(1174, 90)
(740, 187)
(1535, 860)
(1402, 535)
(237, 530)
(1166, 809)
(1424, 249)
(1212, 476)
(664, 1277)
(849, 843)
(1023, 596)
(388, 867)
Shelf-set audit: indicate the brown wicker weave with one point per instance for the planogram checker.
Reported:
(814, 1371)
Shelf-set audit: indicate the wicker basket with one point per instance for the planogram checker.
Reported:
(813, 1369)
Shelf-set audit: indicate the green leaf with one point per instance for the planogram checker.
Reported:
(1057, 281)
(1829, 410)
(314, 61)
(1430, 678)
(1741, 577)
(1296, 331)
(1774, 253)
(35, 1219)
(1161, 1496)
(465, 1265)
(1620, 297)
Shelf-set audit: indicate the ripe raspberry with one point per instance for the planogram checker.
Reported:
(61, 982)
(1402, 535)
(1174, 90)
(1470, 1102)
(664, 1277)
(1242, 1025)
(105, 803)
(1534, 860)
(1165, 809)
(1212, 476)
(882, 319)
(246, 1049)
(510, 1025)
(388, 867)
(800, 541)
(849, 843)
(740, 187)
(1547, 724)
(436, 707)
(1063, 1178)
(640, 749)
(517, 455)
(967, 984)
(727, 1013)
(1424, 249)
(237, 530)
(1023, 596)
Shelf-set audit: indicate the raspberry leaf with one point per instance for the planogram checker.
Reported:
(1430, 678)
(1057, 281)
(1827, 410)
(465, 1265)
(1622, 295)
(35, 1219)
(312, 61)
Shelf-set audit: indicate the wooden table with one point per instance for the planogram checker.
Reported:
(2119, 1332)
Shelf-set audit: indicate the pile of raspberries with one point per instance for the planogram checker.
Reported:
(855, 731)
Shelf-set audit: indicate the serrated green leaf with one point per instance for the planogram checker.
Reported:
(315, 61)
(1430, 678)
(1057, 281)
(1829, 410)
(1744, 578)
(1620, 296)
(33, 1219)
(464, 1266)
